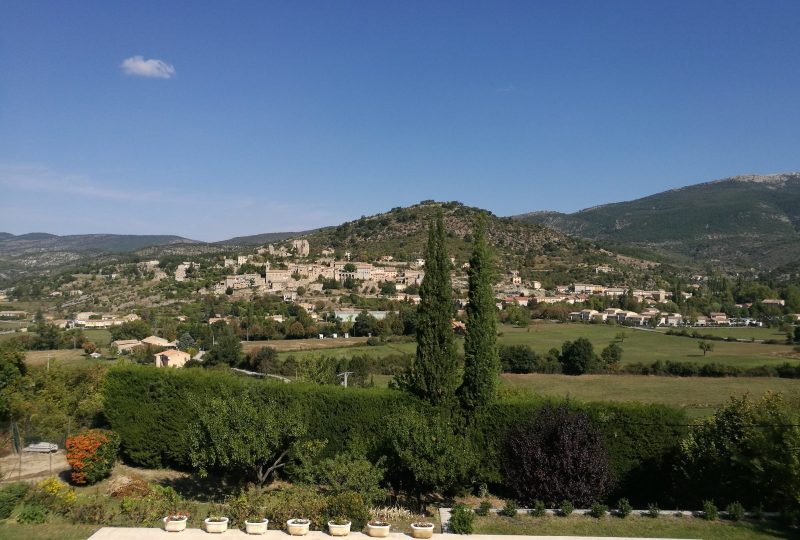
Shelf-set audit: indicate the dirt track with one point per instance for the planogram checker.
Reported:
(34, 466)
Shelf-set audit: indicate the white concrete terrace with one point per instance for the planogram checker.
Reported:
(152, 533)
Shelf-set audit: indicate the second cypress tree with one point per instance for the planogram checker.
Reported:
(481, 360)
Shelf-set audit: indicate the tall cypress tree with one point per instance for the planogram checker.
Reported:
(433, 374)
(481, 360)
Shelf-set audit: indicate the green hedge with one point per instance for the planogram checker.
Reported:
(148, 408)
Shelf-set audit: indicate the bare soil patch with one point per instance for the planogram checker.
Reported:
(288, 345)
(35, 466)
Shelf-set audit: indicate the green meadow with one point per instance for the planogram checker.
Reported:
(638, 345)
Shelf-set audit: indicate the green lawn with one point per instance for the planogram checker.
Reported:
(662, 527)
(700, 396)
(46, 531)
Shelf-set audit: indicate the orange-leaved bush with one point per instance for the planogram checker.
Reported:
(92, 454)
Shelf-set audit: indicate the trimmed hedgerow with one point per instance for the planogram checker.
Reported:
(150, 410)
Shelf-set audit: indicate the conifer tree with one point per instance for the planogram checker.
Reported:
(433, 374)
(481, 359)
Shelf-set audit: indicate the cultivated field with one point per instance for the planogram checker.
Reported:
(291, 345)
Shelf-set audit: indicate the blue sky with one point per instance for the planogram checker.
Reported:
(216, 119)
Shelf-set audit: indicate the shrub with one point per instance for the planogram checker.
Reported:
(246, 506)
(624, 508)
(150, 508)
(557, 454)
(354, 473)
(598, 510)
(710, 512)
(538, 509)
(32, 513)
(296, 502)
(510, 509)
(347, 504)
(484, 508)
(565, 508)
(91, 455)
(462, 519)
(652, 510)
(10, 496)
(743, 453)
(91, 512)
(55, 495)
(735, 511)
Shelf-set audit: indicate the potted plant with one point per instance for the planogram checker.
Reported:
(216, 524)
(255, 524)
(298, 526)
(339, 526)
(422, 528)
(378, 528)
(176, 521)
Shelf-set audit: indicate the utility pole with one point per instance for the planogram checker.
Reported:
(344, 374)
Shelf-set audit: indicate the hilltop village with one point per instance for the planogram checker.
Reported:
(333, 287)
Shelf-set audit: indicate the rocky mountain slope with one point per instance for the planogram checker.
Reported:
(740, 222)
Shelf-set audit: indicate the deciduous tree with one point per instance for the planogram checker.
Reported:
(242, 433)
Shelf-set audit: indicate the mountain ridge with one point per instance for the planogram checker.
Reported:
(745, 221)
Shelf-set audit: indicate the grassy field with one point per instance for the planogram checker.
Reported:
(638, 346)
(46, 531)
(62, 356)
(662, 527)
(646, 346)
(101, 338)
(740, 332)
(700, 396)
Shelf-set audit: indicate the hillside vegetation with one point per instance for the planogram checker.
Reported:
(744, 221)
(402, 233)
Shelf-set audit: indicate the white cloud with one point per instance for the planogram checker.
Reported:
(38, 178)
(138, 66)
